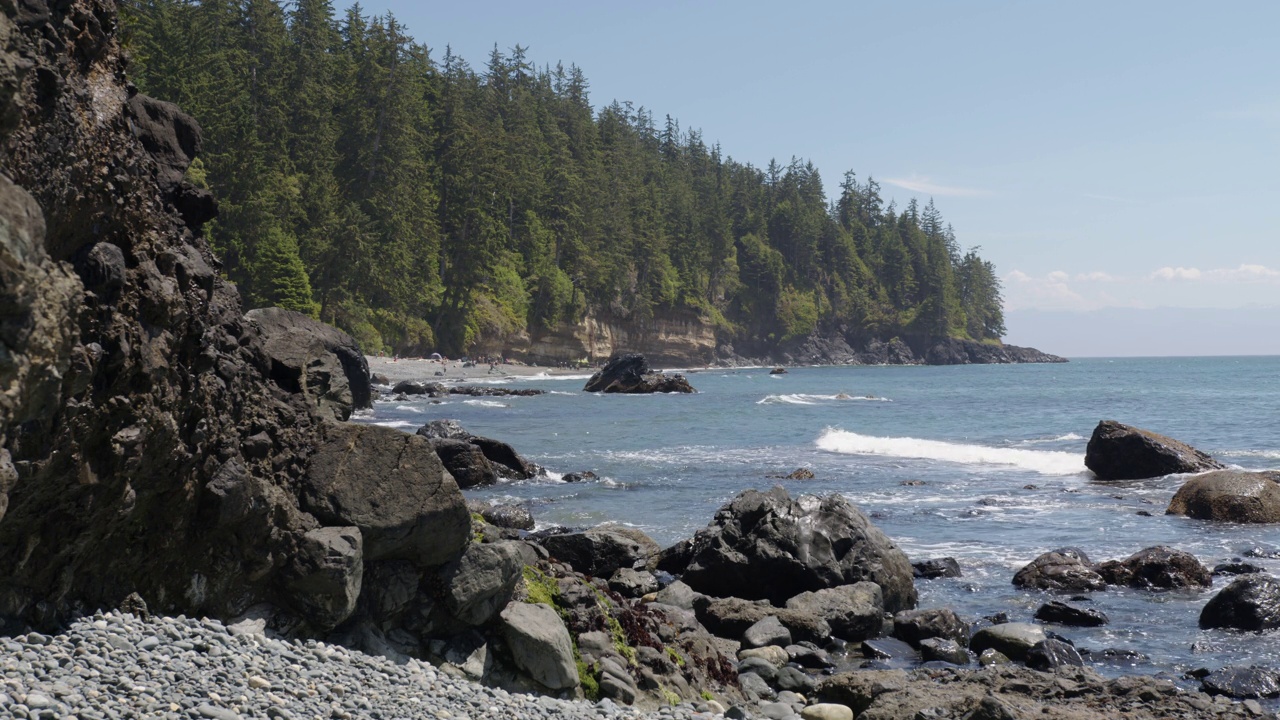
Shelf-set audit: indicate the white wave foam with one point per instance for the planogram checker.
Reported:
(408, 408)
(1045, 462)
(1264, 454)
(485, 403)
(396, 423)
(1045, 440)
(804, 399)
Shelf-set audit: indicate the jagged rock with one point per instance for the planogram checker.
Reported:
(768, 545)
(914, 626)
(326, 575)
(1237, 566)
(936, 648)
(1049, 654)
(754, 685)
(599, 553)
(389, 587)
(136, 606)
(767, 631)
(730, 618)
(482, 581)
(1014, 640)
(540, 644)
(809, 657)
(319, 361)
(630, 374)
(1122, 452)
(889, 649)
(1065, 614)
(499, 456)
(391, 486)
(1157, 567)
(631, 583)
(854, 611)
(502, 515)
(946, 567)
(1243, 682)
(465, 462)
(1062, 570)
(1230, 495)
(418, 387)
(1251, 602)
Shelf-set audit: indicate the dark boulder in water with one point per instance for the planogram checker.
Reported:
(767, 545)
(1121, 452)
(1049, 654)
(465, 462)
(1064, 570)
(630, 374)
(599, 553)
(418, 387)
(946, 567)
(1251, 602)
(1157, 568)
(499, 458)
(1230, 495)
(1243, 682)
(1064, 614)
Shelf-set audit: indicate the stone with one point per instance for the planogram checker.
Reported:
(794, 679)
(827, 711)
(1243, 682)
(1049, 654)
(753, 684)
(760, 666)
(775, 655)
(946, 567)
(326, 575)
(1122, 452)
(465, 462)
(502, 515)
(809, 657)
(417, 387)
(1250, 602)
(631, 583)
(483, 580)
(913, 626)
(317, 360)
(1062, 613)
(766, 545)
(599, 553)
(1013, 640)
(1237, 566)
(767, 631)
(854, 612)
(1159, 568)
(889, 649)
(1231, 496)
(991, 656)
(391, 486)
(679, 595)
(540, 644)
(1063, 570)
(777, 711)
(936, 648)
(730, 618)
(630, 374)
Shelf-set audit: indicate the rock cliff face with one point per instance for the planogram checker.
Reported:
(668, 341)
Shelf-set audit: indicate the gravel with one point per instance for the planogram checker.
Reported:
(115, 665)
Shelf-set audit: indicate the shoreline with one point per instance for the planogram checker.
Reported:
(398, 369)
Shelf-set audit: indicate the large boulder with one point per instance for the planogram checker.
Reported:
(1251, 602)
(1230, 495)
(1062, 570)
(599, 553)
(630, 374)
(326, 575)
(1014, 640)
(1121, 452)
(1158, 568)
(540, 644)
(482, 581)
(392, 486)
(1243, 682)
(767, 545)
(854, 612)
(499, 458)
(732, 617)
(913, 626)
(319, 361)
(465, 462)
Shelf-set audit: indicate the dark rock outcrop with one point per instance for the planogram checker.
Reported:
(946, 567)
(480, 464)
(771, 546)
(1062, 570)
(598, 553)
(630, 374)
(1066, 614)
(1050, 654)
(854, 612)
(1243, 682)
(513, 517)
(1122, 452)
(1251, 602)
(1157, 568)
(465, 462)
(319, 361)
(1230, 495)
(913, 626)
(731, 617)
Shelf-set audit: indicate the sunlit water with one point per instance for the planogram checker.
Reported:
(999, 450)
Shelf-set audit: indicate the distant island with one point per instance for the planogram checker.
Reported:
(426, 206)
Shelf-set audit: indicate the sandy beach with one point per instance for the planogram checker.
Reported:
(424, 369)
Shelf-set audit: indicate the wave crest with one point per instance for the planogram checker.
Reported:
(803, 399)
(1045, 462)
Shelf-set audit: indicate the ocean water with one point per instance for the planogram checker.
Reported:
(981, 463)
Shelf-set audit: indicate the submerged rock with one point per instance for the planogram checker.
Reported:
(1122, 452)
(1230, 495)
(1157, 568)
(1065, 614)
(1251, 602)
(1063, 570)
(946, 567)
(630, 374)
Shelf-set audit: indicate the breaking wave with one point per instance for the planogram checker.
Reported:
(1045, 462)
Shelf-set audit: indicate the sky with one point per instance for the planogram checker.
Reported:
(1103, 155)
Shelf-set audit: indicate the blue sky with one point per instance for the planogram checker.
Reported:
(1102, 154)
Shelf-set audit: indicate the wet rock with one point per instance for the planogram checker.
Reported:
(1065, 614)
(991, 656)
(418, 387)
(1251, 602)
(946, 567)
(854, 612)
(1230, 495)
(583, 476)
(1062, 570)
(1237, 566)
(599, 553)
(1122, 452)
(319, 361)
(936, 648)
(1243, 682)
(1013, 640)
(1157, 567)
(768, 545)
(913, 626)
(1050, 654)
(630, 374)
(540, 644)
(499, 457)
(809, 657)
(501, 515)
(889, 649)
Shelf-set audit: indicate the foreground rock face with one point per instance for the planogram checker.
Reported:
(319, 361)
(631, 374)
(1230, 495)
(766, 545)
(1122, 452)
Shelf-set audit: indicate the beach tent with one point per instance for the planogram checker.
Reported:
(435, 356)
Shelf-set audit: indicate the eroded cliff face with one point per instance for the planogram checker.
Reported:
(665, 341)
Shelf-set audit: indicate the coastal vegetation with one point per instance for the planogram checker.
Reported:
(422, 204)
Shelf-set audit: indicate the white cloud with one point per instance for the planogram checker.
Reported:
(926, 186)
(1177, 273)
(1050, 292)
(1096, 276)
(1246, 272)
(1173, 286)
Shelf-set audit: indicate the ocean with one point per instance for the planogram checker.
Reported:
(982, 463)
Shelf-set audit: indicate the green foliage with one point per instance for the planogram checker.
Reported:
(706, 695)
(588, 676)
(675, 656)
(422, 204)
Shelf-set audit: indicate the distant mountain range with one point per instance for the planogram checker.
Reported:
(1113, 332)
